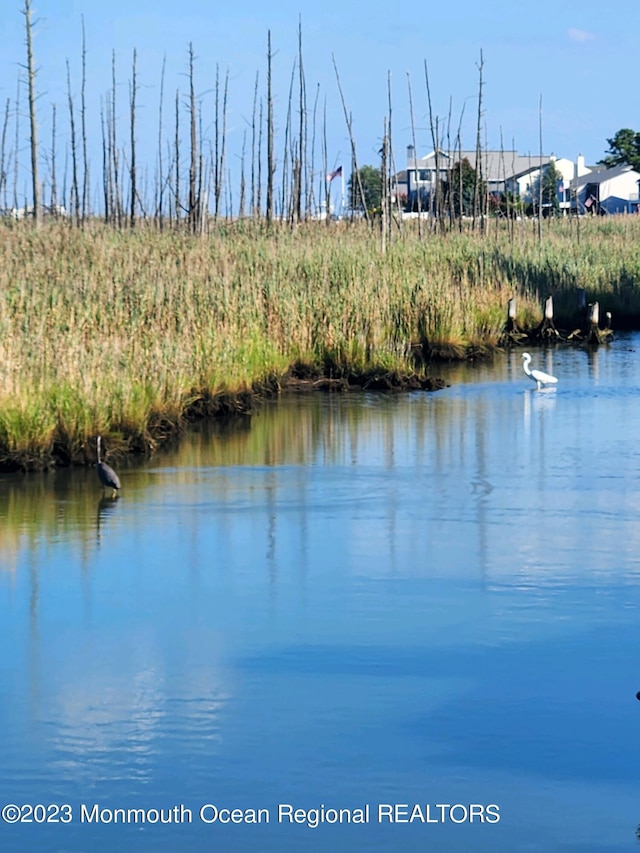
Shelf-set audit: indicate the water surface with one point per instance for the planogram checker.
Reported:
(345, 600)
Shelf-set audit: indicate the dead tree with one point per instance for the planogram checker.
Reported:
(160, 185)
(132, 164)
(302, 135)
(416, 171)
(477, 183)
(176, 144)
(117, 198)
(54, 179)
(3, 165)
(31, 81)
(193, 164)
(384, 187)
(271, 166)
(83, 124)
(254, 210)
(75, 198)
(355, 169)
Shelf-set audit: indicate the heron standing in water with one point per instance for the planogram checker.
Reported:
(538, 376)
(106, 474)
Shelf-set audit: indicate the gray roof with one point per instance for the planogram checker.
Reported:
(602, 175)
(495, 165)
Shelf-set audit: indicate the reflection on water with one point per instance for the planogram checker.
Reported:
(344, 599)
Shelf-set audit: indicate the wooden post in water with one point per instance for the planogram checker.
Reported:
(593, 321)
(512, 325)
(547, 328)
(511, 334)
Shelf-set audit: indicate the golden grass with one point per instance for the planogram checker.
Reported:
(107, 331)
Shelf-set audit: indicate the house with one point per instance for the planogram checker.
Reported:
(526, 184)
(399, 188)
(607, 191)
(501, 171)
(495, 168)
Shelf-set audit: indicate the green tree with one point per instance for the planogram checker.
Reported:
(371, 186)
(459, 190)
(624, 147)
(551, 177)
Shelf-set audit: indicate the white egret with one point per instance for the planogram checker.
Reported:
(538, 376)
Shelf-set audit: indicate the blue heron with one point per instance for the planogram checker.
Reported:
(106, 474)
(538, 376)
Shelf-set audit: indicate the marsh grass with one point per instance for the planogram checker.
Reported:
(124, 333)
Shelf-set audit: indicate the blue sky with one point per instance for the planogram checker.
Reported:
(582, 60)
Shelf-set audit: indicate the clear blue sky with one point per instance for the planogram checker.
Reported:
(581, 57)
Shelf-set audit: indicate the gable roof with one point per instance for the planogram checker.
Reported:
(495, 165)
(603, 175)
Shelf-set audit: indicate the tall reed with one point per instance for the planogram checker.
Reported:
(120, 331)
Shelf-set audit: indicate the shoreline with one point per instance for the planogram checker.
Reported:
(222, 406)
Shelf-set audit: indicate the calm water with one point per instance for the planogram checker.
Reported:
(414, 599)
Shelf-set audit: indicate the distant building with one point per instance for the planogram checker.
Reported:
(526, 184)
(494, 167)
(501, 171)
(607, 191)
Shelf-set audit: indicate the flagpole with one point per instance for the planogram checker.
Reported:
(342, 199)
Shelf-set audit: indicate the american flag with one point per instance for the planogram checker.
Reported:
(336, 174)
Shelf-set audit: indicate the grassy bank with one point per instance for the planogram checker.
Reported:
(123, 332)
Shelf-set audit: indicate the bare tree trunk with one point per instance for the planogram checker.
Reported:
(356, 171)
(160, 192)
(254, 210)
(54, 182)
(243, 187)
(177, 157)
(259, 196)
(384, 187)
(436, 147)
(271, 168)
(193, 167)
(4, 166)
(83, 123)
(392, 170)
(132, 165)
(31, 79)
(75, 198)
(460, 181)
(215, 157)
(285, 189)
(16, 158)
(106, 165)
(302, 134)
(117, 197)
(310, 201)
(323, 191)
(415, 159)
(478, 171)
(220, 143)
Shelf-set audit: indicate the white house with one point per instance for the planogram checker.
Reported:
(500, 170)
(495, 168)
(607, 191)
(526, 183)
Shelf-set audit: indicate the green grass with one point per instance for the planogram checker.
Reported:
(122, 332)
